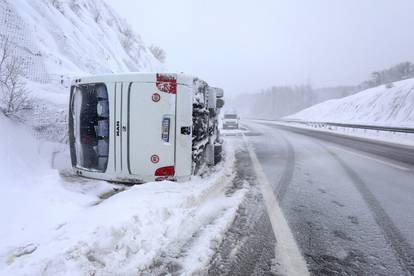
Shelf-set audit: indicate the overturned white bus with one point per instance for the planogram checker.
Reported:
(142, 127)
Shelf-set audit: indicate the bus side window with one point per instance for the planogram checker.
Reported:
(103, 109)
(102, 128)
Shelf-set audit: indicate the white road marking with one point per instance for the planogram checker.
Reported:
(373, 159)
(287, 250)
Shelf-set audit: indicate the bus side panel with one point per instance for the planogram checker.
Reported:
(183, 146)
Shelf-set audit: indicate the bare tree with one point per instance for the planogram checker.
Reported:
(128, 38)
(58, 5)
(96, 12)
(5, 55)
(13, 94)
(158, 53)
(75, 7)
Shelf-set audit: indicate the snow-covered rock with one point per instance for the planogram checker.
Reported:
(388, 105)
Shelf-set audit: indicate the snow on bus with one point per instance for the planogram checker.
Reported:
(141, 127)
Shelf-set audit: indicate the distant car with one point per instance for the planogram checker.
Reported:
(231, 121)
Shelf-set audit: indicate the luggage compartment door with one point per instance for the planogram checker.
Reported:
(151, 141)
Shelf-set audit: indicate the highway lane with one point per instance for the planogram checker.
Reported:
(396, 152)
(348, 202)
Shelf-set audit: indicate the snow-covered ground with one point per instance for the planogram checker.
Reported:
(54, 224)
(376, 106)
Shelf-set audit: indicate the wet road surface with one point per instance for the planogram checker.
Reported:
(349, 203)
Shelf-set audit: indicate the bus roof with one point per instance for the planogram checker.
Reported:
(134, 77)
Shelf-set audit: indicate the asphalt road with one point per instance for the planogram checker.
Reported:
(349, 202)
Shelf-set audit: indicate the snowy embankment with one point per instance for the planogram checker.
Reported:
(53, 224)
(376, 106)
(379, 106)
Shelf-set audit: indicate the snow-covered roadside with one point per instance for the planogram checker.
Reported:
(389, 105)
(56, 225)
(383, 136)
(382, 105)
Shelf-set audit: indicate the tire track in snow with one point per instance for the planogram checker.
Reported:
(402, 248)
(287, 175)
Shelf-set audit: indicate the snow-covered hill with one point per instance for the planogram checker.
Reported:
(71, 37)
(382, 105)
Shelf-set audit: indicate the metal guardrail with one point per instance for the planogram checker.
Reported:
(358, 126)
(355, 126)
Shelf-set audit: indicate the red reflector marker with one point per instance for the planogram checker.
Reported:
(167, 83)
(165, 171)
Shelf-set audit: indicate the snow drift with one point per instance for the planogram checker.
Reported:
(62, 225)
(388, 105)
(33, 197)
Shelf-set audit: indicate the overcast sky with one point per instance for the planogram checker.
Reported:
(244, 46)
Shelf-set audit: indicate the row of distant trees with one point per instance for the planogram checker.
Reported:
(279, 101)
(401, 71)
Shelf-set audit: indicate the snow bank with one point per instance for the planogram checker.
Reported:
(26, 181)
(380, 105)
(33, 199)
(54, 225)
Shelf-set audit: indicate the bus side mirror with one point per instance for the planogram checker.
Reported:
(220, 103)
(211, 103)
